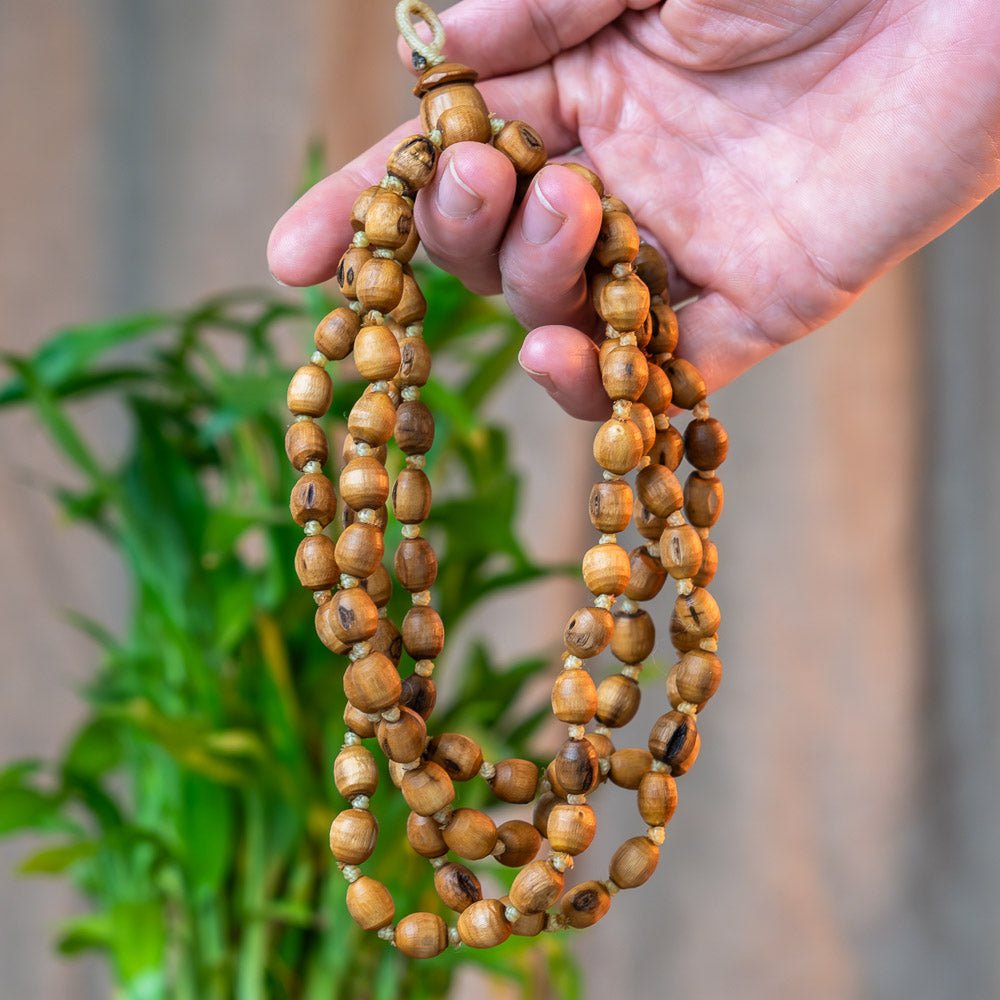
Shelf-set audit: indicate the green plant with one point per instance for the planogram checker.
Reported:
(191, 805)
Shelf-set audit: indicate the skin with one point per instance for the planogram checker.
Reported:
(782, 154)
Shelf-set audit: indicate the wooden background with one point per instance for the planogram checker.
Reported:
(839, 836)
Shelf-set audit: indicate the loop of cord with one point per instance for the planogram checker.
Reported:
(429, 52)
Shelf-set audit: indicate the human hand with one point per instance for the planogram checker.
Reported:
(781, 154)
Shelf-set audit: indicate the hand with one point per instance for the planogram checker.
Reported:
(782, 155)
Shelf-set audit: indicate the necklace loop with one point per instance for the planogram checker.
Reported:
(429, 52)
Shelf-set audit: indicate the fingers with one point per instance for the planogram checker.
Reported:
(563, 361)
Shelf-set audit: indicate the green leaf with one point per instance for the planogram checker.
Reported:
(55, 860)
(24, 808)
(86, 933)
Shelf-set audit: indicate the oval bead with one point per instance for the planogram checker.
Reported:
(353, 835)
(421, 935)
(457, 887)
(585, 904)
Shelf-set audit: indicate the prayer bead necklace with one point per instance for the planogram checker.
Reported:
(382, 327)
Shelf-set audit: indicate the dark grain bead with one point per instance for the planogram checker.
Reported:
(672, 738)
(687, 383)
(359, 550)
(389, 220)
(698, 613)
(414, 428)
(709, 564)
(414, 161)
(618, 699)
(647, 576)
(419, 693)
(360, 207)
(659, 490)
(414, 361)
(647, 523)
(416, 564)
(618, 240)
(364, 483)
(522, 145)
(585, 904)
(706, 444)
(695, 677)
(402, 740)
(665, 329)
(703, 499)
(634, 637)
(411, 496)
(349, 268)
(457, 754)
(588, 632)
(652, 268)
(412, 305)
(424, 836)
(668, 448)
(521, 843)
(423, 633)
(610, 507)
(372, 683)
(388, 641)
(313, 499)
(457, 887)
(576, 767)
(515, 780)
(352, 615)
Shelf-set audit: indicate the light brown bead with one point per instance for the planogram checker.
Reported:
(658, 393)
(370, 904)
(405, 253)
(521, 843)
(703, 499)
(335, 333)
(421, 935)
(350, 448)
(571, 828)
(378, 586)
(618, 699)
(624, 372)
(349, 268)
(634, 863)
(709, 564)
(414, 428)
(672, 738)
(657, 798)
(629, 765)
(388, 221)
(424, 836)
(444, 86)
(515, 780)
(706, 443)
(353, 835)
(687, 382)
(681, 551)
(528, 924)
(305, 442)
(403, 740)
(585, 904)
(634, 637)
(376, 353)
(471, 834)
(522, 145)
(696, 676)
(364, 483)
(310, 391)
(351, 615)
(610, 507)
(313, 499)
(588, 632)
(665, 329)
(588, 175)
(680, 638)
(624, 303)
(606, 569)
(358, 722)
(644, 334)
(414, 161)
(576, 767)
(387, 640)
(360, 207)
(419, 693)
(647, 523)
(457, 887)
(618, 446)
(618, 240)
(460, 756)
(411, 496)
(668, 448)
(372, 419)
(423, 633)
(659, 490)
(412, 305)
(359, 550)
(543, 809)
(482, 925)
(537, 886)
(643, 419)
(698, 613)
(647, 576)
(428, 789)
(355, 772)
(372, 683)
(463, 123)
(416, 564)
(379, 285)
(602, 745)
(652, 268)
(316, 562)
(414, 361)
(574, 697)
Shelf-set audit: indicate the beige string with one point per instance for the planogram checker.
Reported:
(430, 52)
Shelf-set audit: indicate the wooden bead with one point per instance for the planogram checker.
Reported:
(706, 443)
(668, 448)
(380, 517)
(618, 240)
(335, 333)
(647, 576)
(404, 254)
(457, 754)
(634, 863)
(588, 175)
(413, 161)
(703, 499)
(310, 391)
(388, 221)
(359, 210)
(387, 640)
(629, 765)
(574, 697)
(528, 924)
(665, 329)
(624, 372)
(696, 676)
(483, 925)
(543, 809)
(463, 123)
(585, 904)
(379, 285)
(610, 507)
(515, 780)
(414, 361)
(416, 564)
(428, 789)
(644, 334)
(471, 834)
(576, 767)
(522, 145)
(376, 353)
(370, 904)
(424, 836)
(423, 633)
(414, 428)
(353, 835)
(457, 887)
(445, 86)
(647, 523)
(571, 828)
(634, 637)
(372, 683)
(606, 569)
(351, 615)
(588, 632)
(358, 722)
(618, 699)
(359, 550)
(349, 268)
(687, 383)
(709, 564)
(681, 551)
(411, 496)
(372, 419)
(521, 843)
(305, 442)
(658, 393)
(355, 772)
(624, 303)
(378, 586)
(659, 490)
(537, 886)
(364, 483)
(618, 446)
(671, 740)
(643, 419)
(403, 740)
(419, 693)
(350, 448)
(602, 745)
(657, 798)
(421, 935)
(316, 562)
(412, 306)
(680, 638)
(698, 613)
(313, 499)
(652, 268)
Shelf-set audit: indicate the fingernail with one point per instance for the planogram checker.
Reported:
(540, 221)
(454, 197)
(542, 377)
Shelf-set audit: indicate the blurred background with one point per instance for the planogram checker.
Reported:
(838, 838)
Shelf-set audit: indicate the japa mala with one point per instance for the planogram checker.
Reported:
(382, 327)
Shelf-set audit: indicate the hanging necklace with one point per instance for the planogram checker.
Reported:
(382, 328)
